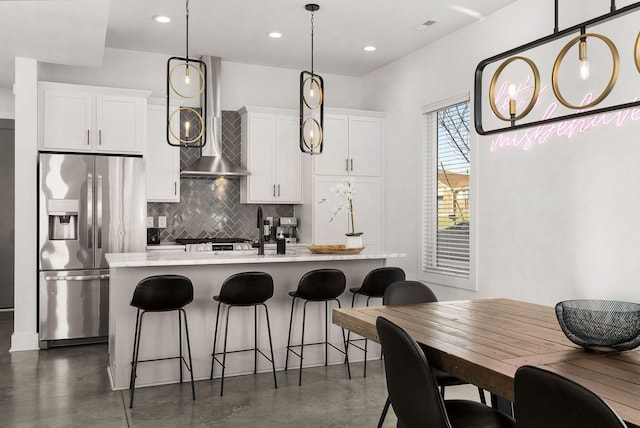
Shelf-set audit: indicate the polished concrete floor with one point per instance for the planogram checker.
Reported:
(69, 387)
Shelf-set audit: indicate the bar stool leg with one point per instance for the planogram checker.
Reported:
(273, 363)
(224, 351)
(353, 302)
(326, 332)
(304, 317)
(215, 338)
(186, 330)
(286, 361)
(346, 356)
(255, 339)
(136, 354)
(181, 359)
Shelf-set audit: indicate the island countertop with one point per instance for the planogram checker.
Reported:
(183, 258)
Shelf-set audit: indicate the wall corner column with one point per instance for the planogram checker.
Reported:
(25, 327)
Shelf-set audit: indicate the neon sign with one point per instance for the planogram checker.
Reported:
(539, 135)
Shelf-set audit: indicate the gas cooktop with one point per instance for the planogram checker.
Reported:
(214, 244)
(210, 240)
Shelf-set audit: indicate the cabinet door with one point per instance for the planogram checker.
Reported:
(260, 160)
(325, 230)
(162, 160)
(67, 121)
(365, 146)
(288, 160)
(120, 124)
(367, 208)
(333, 159)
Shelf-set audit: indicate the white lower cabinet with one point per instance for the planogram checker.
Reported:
(162, 161)
(271, 154)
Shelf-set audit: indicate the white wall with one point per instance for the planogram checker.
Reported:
(242, 84)
(7, 110)
(553, 223)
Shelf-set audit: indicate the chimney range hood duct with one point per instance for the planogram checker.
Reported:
(212, 163)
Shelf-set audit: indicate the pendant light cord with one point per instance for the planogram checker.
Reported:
(187, 15)
(311, 44)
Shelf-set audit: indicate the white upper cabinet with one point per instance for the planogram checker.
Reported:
(271, 154)
(352, 145)
(162, 162)
(91, 119)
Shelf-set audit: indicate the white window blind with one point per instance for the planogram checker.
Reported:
(446, 204)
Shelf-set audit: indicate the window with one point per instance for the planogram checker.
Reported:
(446, 249)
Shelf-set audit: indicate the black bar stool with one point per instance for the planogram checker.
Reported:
(320, 285)
(244, 289)
(373, 286)
(161, 293)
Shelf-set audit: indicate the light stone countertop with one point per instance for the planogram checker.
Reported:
(176, 258)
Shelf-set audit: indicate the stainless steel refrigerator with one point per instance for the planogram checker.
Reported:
(89, 205)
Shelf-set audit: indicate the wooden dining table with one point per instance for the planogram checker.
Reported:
(485, 341)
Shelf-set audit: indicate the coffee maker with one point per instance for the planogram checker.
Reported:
(288, 226)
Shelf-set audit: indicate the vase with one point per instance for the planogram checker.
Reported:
(353, 241)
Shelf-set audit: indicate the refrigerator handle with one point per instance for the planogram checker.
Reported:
(99, 211)
(90, 210)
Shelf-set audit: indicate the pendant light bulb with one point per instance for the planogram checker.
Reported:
(187, 126)
(512, 100)
(187, 79)
(584, 61)
(312, 91)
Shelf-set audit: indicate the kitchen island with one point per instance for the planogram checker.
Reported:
(207, 271)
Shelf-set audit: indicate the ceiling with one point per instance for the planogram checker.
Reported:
(76, 32)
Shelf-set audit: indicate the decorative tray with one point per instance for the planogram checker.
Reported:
(334, 249)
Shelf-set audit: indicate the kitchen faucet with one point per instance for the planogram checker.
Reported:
(260, 233)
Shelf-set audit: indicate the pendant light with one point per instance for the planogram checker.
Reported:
(186, 88)
(311, 102)
(570, 110)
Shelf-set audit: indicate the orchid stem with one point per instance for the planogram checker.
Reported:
(353, 225)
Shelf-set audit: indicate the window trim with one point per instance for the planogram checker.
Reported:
(439, 278)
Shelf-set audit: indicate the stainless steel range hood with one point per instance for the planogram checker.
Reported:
(212, 163)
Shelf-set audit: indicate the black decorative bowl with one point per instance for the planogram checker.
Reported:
(600, 325)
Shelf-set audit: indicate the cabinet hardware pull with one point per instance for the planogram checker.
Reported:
(274, 190)
(347, 164)
(88, 142)
(351, 164)
(100, 137)
(278, 190)
(175, 188)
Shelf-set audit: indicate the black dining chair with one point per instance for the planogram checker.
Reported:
(549, 400)
(414, 393)
(406, 293)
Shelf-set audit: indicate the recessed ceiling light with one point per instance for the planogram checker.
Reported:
(161, 19)
(369, 48)
(275, 35)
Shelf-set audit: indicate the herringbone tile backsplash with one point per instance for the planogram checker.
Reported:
(211, 206)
